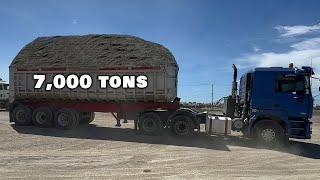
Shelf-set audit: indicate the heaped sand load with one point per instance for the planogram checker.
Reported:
(94, 55)
(92, 51)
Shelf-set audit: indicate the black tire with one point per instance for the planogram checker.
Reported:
(270, 134)
(43, 117)
(66, 118)
(22, 115)
(182, 125)
(87, 117)
(150, 124)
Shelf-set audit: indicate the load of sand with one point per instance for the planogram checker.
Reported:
(92, 51)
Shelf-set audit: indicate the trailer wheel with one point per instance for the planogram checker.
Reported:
(42, 117)
(150, 124)
(182, 125)
(87, 117)
(22, 115)
(269, 134)
(66, 118)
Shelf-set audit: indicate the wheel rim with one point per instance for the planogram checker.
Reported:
(21, 115)
(238, 124)
(148, 125)
(268, 135)
(181, 128)
(41, 117)
(63, 119)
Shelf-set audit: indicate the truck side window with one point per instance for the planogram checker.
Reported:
(287, 85)
(1, 88)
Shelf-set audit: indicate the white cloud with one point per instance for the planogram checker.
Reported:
(256, 49)
(271, 59)
(312, 43)
(301, 55)
(290, 31)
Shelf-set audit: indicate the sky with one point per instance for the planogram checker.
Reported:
(205, 36)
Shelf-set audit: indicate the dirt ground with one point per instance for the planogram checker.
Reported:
(101, 151)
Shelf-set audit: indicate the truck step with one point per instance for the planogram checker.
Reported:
(302, 129)
(297, 137)
(295, 121)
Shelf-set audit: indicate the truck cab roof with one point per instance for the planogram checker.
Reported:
(304, 69)
(273, 69)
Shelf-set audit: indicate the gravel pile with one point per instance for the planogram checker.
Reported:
(92, 51)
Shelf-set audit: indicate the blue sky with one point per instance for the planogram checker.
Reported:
(205, 36)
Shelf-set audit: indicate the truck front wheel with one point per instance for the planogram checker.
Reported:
(66, 118)
(22, 115)
(42, 117)
(269, 134)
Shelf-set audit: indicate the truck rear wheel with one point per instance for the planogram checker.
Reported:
(269, 134)
(150, 124)
(66, 118)
(22, 115)
(42, 117)
(182, 125)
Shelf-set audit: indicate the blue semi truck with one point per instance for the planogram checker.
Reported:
(272, 104)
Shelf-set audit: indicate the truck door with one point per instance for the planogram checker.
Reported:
(291, 95)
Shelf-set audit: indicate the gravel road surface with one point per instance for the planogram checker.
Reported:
(101, 151)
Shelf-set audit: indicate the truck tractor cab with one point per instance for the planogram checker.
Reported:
(273, 104)
(4, 94)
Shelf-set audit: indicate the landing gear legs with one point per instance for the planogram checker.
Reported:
(136, 124)
(117, 117)
(125, 120)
